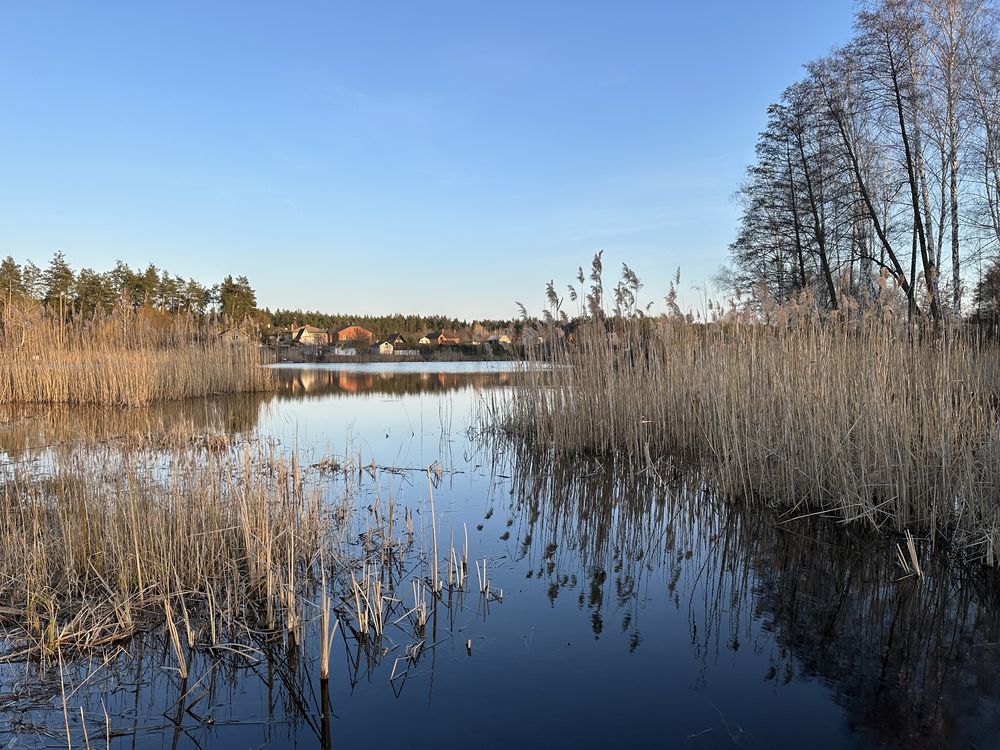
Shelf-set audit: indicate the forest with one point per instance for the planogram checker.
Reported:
(86, 293)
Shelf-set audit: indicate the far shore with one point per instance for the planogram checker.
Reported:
(437, 354)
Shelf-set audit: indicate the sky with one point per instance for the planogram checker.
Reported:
(376, 157)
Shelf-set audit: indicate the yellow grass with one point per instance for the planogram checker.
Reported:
(126, 359)
(864, 420)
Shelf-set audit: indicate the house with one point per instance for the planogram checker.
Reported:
(310, 336)
(234, 336)
(441, 338)
(352, 333)
(396, 339)
(383, 347)
(424, 341)
(499, 338)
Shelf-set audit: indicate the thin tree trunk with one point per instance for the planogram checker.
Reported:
(911, 178)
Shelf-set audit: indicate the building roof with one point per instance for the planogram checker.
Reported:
(442, 334)
(297, 332)
(353, 325)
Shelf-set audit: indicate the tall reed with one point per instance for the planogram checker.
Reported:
(128, 358)
(867, 419)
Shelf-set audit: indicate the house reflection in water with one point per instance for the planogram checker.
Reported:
(321, 382)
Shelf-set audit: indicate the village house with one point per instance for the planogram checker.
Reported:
(499, 338)
(396, 339)
(440, 338)
(310, 336)
(383, 347)
(234, 336)
(352, 333)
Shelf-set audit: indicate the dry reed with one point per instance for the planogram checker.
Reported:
(104, 543)
(125, 359)
(867, 419)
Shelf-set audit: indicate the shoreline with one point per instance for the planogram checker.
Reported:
(303, 356)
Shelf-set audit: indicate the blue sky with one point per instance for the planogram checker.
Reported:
(391, 157)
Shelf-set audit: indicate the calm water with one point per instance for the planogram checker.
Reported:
(635, 611)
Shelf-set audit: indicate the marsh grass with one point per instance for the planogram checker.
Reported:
(129, 358)
(865, 419)
(105, 543)
(220, 551)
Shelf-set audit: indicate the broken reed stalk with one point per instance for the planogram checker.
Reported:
(435, 583)
(65, 706)
(910, 563)
(865, 418)
(175, 640)
(369, 602)
(484, 581)
(326, 634)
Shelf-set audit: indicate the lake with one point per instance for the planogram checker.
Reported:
(624, 608)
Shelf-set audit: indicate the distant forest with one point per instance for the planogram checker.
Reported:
(412, 327)
(86, 292)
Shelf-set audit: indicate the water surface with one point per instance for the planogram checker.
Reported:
(635, 609)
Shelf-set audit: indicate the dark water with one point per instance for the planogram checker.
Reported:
(636, 610)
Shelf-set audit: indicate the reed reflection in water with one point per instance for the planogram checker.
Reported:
(911, 661)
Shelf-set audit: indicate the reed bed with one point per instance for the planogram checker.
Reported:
(129, 358)
(867, 419)
(106, 543)
(225, 549)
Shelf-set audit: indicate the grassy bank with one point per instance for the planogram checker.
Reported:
(126, 359)
(868, 420)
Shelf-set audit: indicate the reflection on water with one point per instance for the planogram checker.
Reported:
(391, 381)
(638, 609)
(909, 661)
(29, 430)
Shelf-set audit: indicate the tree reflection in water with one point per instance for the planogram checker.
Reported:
(905, 657)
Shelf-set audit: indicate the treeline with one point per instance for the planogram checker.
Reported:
(412, 327)
(879, 171)
(86, 292)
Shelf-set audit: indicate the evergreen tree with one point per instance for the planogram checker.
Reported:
(237, 299)
(91, 294)
(57, 283)
(11, 281)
